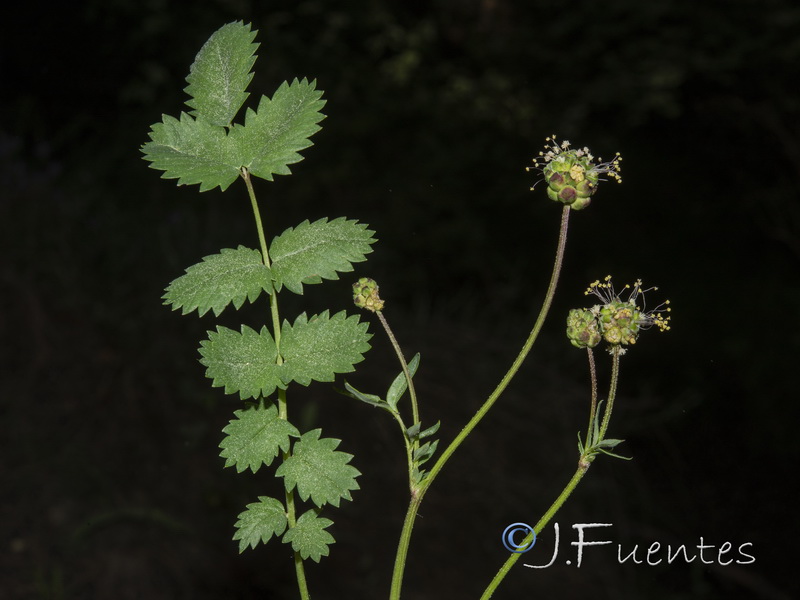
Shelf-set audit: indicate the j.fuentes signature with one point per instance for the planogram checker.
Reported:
(514, 539)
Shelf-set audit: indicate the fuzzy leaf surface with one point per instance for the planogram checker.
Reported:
(241, 362)
(260, 522)
(318, 348)
(318, 470)
(255, 437)
(220, 74)
(315, 251)
(232, 276)
(274, 134)
(192, 151)
(308, 536)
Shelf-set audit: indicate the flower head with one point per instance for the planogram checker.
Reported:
(619, 320)
(572, 176)
(365, 295)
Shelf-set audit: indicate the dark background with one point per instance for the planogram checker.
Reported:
(112, 487)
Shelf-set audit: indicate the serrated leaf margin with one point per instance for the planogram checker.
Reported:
(298, 536)
(234, 449)
(226, 267)
(260, 532)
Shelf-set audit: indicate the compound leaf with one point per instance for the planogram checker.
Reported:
(318, 470)
(311, 252)
(273, 135)
(192, 151)
(221, 73)
(241, 362)
(308, 536)
(255, 437)
(259, 522)
(318, 348)
(230, 276)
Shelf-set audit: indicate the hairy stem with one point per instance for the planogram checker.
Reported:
(593, 409)
(416, 497)
(583, 466)
(411, 391)
(612, 390)
(402, 546)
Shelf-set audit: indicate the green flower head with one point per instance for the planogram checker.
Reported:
(619, 320)
(365, 295)
(572, 176)
(582, 328)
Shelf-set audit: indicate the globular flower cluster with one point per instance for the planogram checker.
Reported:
(618, 321)
(572, 176)
(365, 295)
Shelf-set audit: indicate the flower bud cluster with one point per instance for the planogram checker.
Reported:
(572, 176)
(618, 321)
(365, 295)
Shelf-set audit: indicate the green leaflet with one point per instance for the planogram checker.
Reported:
(308, 536)
(192, 151)
(318, 470)
(255, 437)
(232, 276)
(314, 251)
(221, 73)
(260, 522)
(319, 347)
(206, 148)
(275, 133)
(241, 362)
(313, 349)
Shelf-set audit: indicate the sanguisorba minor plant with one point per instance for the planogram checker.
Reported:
(204, 146)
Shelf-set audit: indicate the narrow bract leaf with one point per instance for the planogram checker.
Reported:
(318, 348)
(241, 362)
(400, 384)
(221, 73)
(192, 151)
(425, 452)
(371, 399)
(255, 437)
(608, 443)
(430, 431)
(232, 276)
(318, 470)
(273, 135)
(260, 522)
(308, 536)
(314, 251)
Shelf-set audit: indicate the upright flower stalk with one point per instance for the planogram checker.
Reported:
(572, 177)
(618, 321)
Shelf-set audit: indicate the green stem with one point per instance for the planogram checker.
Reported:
(416, 498)
(402, 546)
(583, 466)
(411, 391)
(409, 449)
(283, 412)
(612, 391)
(593, 409)
(273, 297)
(515, 366)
